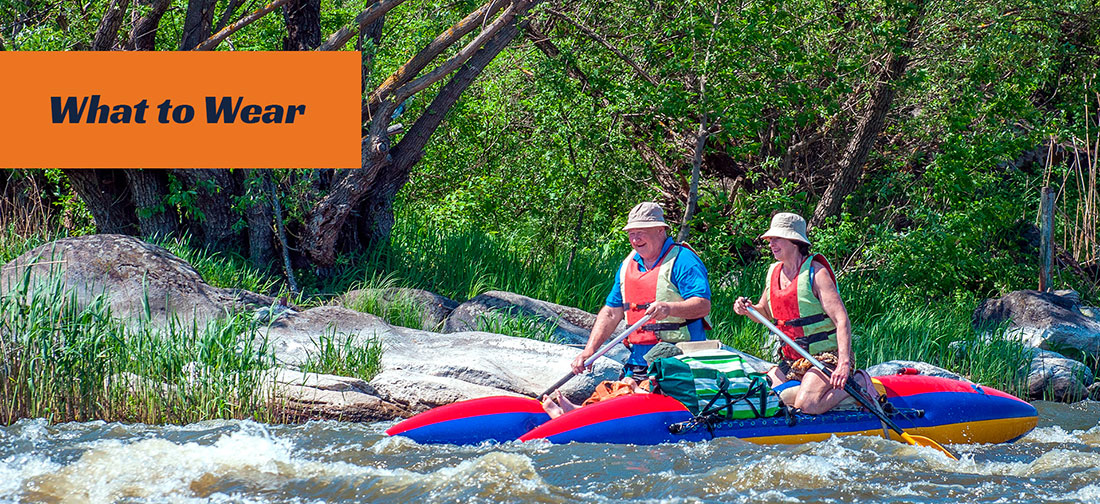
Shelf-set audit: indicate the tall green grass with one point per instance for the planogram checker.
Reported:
(345, 355)
(378, 297)
(221, 269)
(63, 362)
(461, 264)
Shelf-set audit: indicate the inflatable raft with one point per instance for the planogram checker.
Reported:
(945, 410)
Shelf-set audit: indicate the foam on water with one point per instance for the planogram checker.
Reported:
(1054, 434)
(233, 461)
(16, 469)
(251, 465)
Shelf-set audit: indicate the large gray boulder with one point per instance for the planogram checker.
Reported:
(1057, 329)
(130, 272)
(295, 335)
(517, 365)
(569, 325)
(423, 369)
(432, 308)
(1046, 320)
(306, 396)
(1055, 377)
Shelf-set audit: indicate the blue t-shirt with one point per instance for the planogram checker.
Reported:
(690, 278)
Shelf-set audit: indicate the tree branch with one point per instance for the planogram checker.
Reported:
(547, 46)
(595, 36)
(446, 39)
(217, 38)
(411, 147)
(377, 141)
(230, 9)
(464, 54)
(107, 33)
(329, 215)
(368, 16)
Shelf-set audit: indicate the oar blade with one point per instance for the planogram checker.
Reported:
(917, 440)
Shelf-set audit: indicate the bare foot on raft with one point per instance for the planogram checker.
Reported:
(557, 405)
(551, 407)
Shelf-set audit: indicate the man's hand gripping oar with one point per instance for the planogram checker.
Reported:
(599, 353)
(853, 389)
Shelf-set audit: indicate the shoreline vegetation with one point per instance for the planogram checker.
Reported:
(72, 365)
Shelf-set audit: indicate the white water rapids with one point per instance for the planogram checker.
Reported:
(232, 461)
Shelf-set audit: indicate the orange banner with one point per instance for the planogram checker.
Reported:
(192, 109)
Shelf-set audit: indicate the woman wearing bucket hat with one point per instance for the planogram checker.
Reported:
(800, 294)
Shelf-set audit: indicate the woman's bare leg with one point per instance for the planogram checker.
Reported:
(816, 395)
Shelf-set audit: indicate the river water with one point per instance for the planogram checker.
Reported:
(241, 461)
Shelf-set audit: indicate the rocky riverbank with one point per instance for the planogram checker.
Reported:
(422, 369)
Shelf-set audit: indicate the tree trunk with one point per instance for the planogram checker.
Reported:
(378, 217)
(303, 25)
(107, 33)
(107, 197)
(870, 125)
(214, 191)
(144, 35)
(693, 192)
(258, 214)
(385, 170)
(198, 24)
(149, 188)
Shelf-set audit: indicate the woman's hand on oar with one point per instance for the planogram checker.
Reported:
(852, 388)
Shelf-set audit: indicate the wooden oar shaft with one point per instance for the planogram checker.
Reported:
(599, 353)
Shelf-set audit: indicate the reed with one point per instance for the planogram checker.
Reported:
(224, 270)
(25, 222)
(345, 355)
(379, 296)
(66, 362)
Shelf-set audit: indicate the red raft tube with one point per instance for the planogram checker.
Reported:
(945, 410)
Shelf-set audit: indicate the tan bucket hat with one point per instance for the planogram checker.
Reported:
(646, 214)
(788, 225)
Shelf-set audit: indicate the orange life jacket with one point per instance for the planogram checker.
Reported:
(642, 288)
(798, 313)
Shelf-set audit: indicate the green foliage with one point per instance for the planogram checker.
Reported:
(345, 355)
(526, 186)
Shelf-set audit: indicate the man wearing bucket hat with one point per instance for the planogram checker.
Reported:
(800, 294)
(660, 277)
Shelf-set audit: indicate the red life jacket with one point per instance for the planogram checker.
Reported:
(642, 288)
(798, 312)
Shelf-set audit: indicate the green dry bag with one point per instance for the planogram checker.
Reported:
(715, 382)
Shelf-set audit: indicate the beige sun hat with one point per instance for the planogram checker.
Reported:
(646, 214)
(788, 225)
